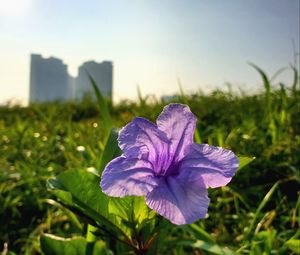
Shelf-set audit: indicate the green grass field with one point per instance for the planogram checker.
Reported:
(258, 213)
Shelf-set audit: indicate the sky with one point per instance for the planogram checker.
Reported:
(152, 43)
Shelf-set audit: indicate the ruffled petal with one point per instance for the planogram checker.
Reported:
(178, 123)
(143, 140)
(179, 201)
(214, 166)
(127, 177)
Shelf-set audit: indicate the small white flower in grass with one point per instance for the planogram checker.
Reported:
(36, 135)
(61, 147)
(92, 170)
(80, 148)
(5, 139)
(28, 153)
(246, 137)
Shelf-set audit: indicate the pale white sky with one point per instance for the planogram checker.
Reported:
(151, 42)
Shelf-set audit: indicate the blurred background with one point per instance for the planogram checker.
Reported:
(153, 44)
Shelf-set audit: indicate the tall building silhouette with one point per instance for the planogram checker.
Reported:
(102, 73)
(49, 79)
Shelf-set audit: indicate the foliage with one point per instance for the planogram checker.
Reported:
(69, 144)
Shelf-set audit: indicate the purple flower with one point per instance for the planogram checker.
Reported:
(162, 163)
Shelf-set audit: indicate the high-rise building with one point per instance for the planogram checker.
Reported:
(102, 73)
(49, 79)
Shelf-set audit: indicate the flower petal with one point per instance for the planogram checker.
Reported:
(179, 201)
(179, 123)
(127, 177)
(143, 140)
(215, 166)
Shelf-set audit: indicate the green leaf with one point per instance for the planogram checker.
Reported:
(111, 149)
(264, 78)
(103, 107)
(244, 161)
(82, 187)
(80, 192)
(208, 246)
(140, 211)
(132, 216)
(293, 245)
(54, 245)
(131, 209)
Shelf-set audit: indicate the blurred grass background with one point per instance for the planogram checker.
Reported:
(258, 212)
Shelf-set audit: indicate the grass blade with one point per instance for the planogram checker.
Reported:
(267, 86)
(111, 150)
(295, 80)
(260, 207)
(103, 107)
(244, 161)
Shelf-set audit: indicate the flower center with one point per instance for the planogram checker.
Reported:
(172, 170)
